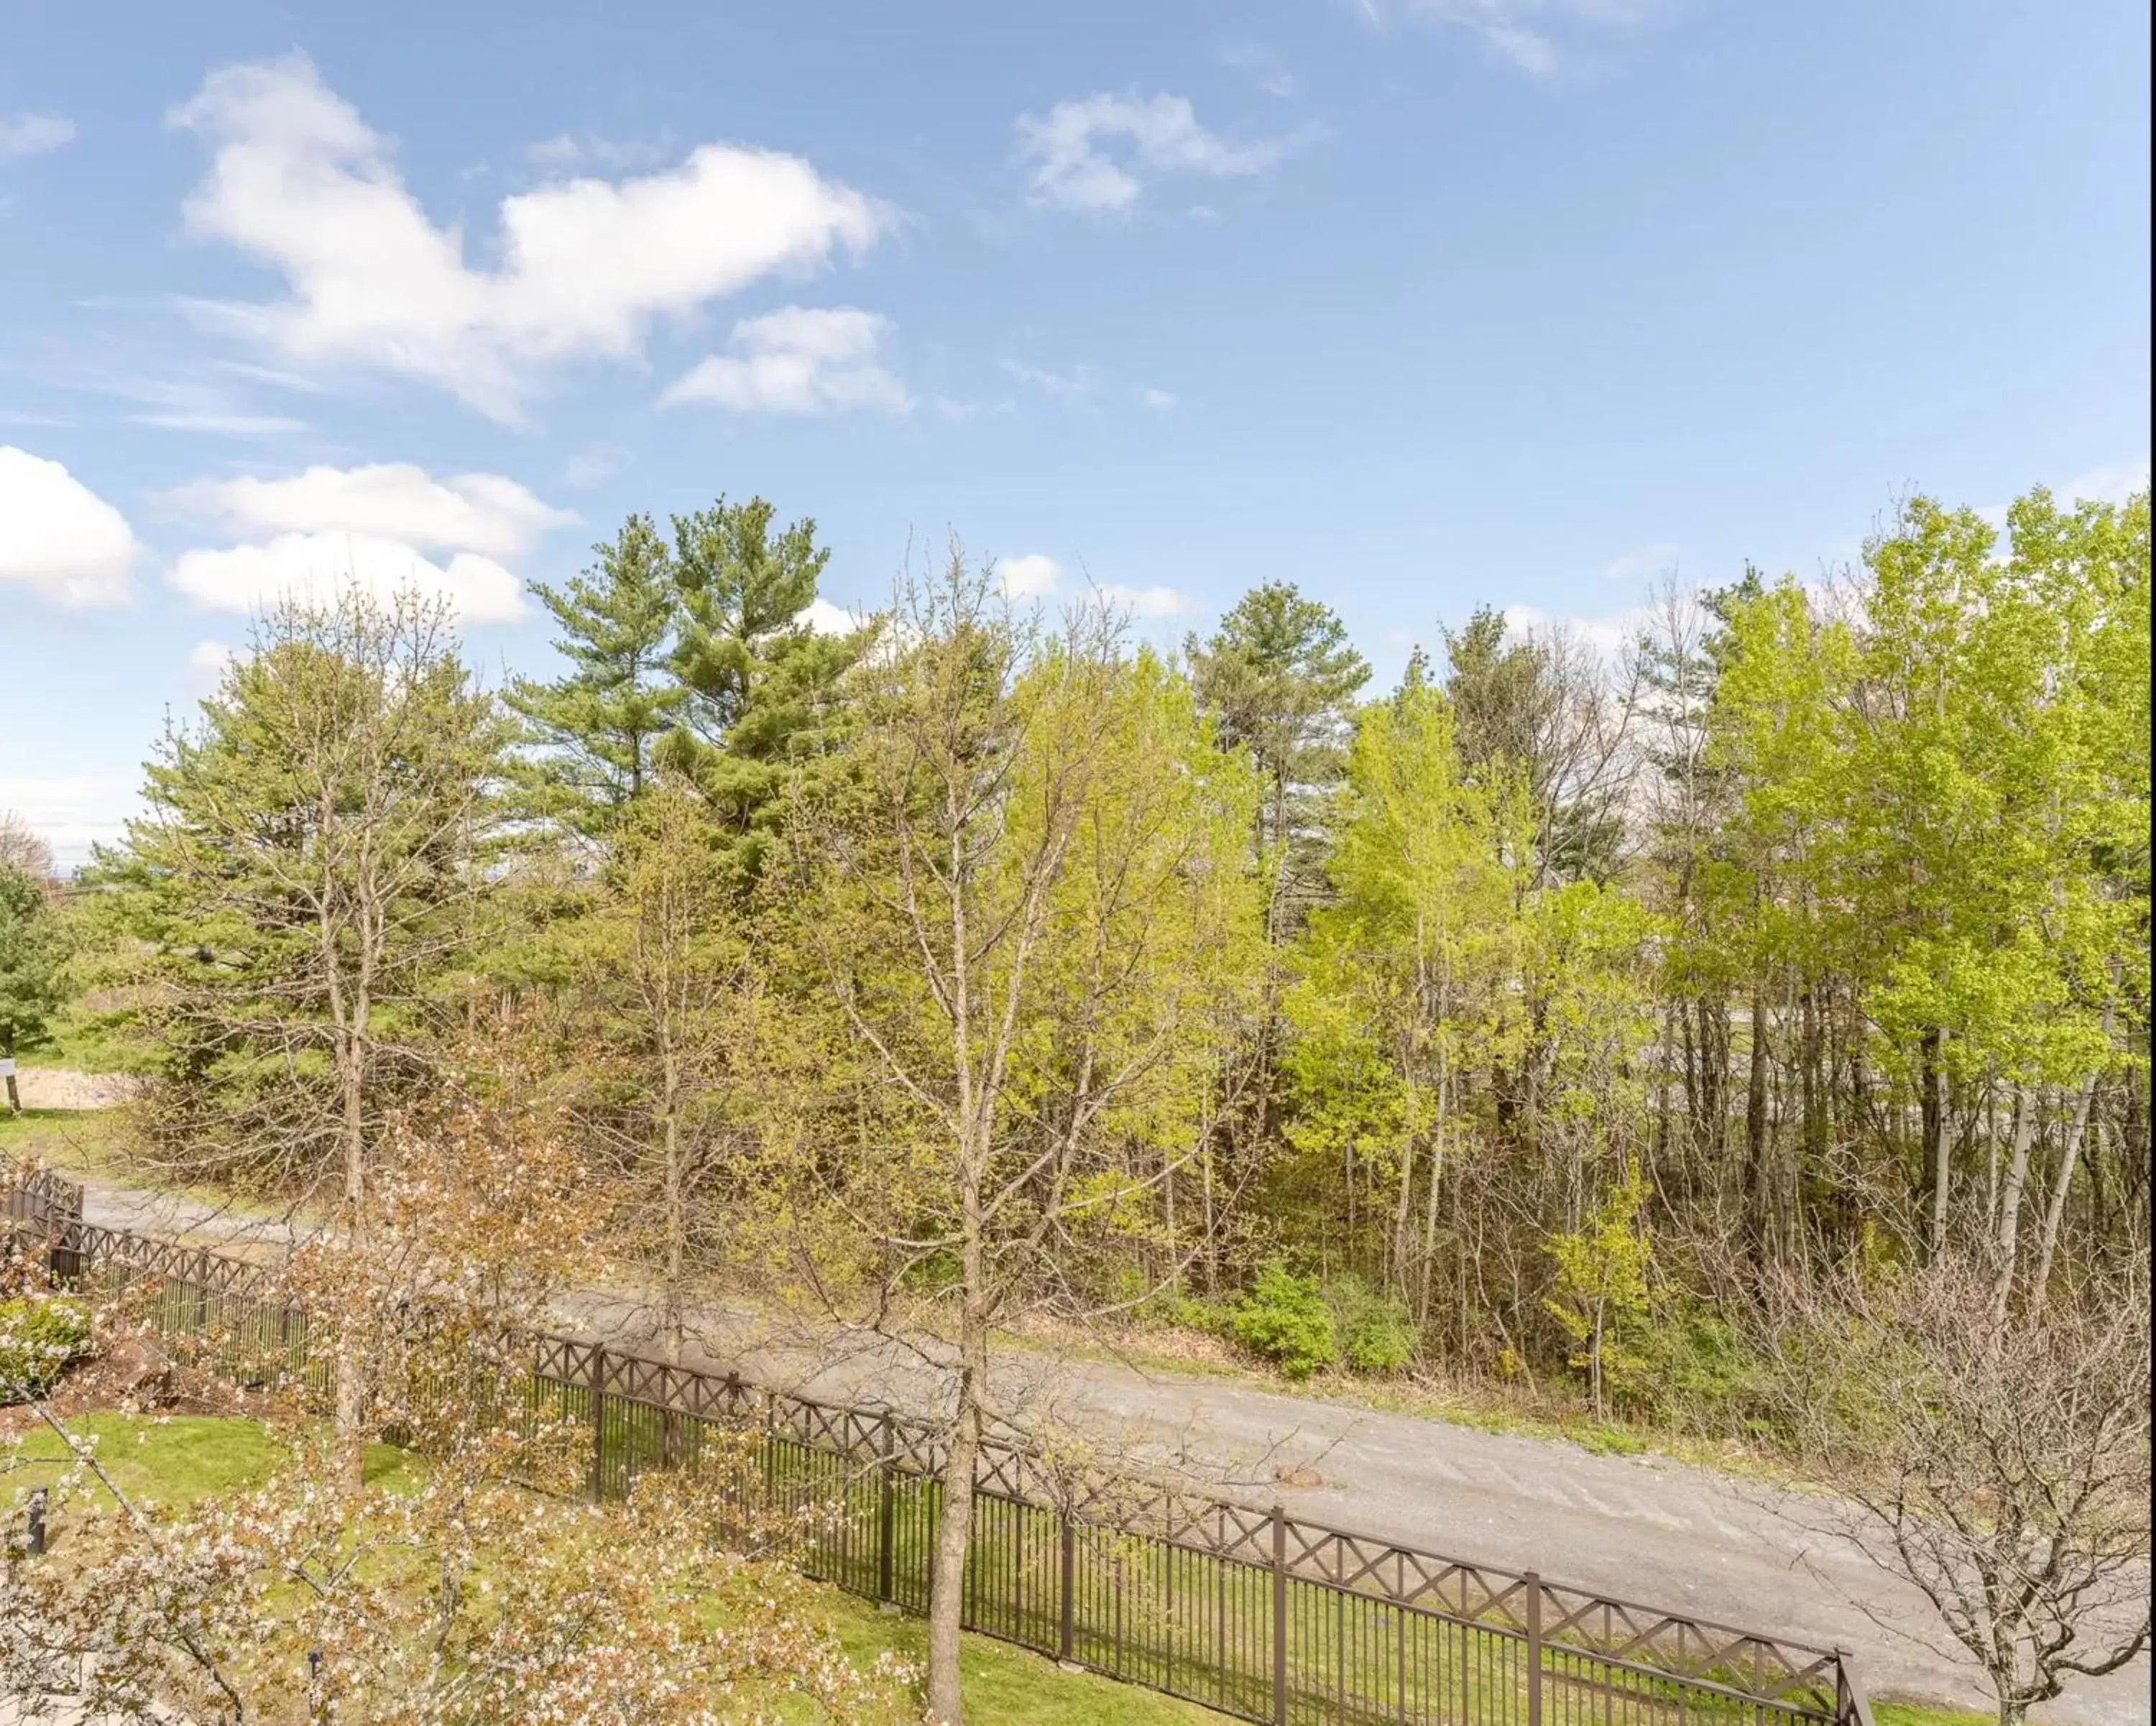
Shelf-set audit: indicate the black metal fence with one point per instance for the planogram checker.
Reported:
(1248, 1610)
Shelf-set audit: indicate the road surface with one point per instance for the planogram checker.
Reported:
(1663, 1533)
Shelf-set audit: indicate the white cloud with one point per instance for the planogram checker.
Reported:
(300, 182)
(1160, 401)
(1031, 576)
(205, 665)
(824, 618)
(70, 812)
(59, 538)
(201, 405)
(318, 567)
(485, 513)
(1068, 149)
(2108, 485)
(32, 133)
(1653, 560)
(799, 360)
(1536, 36)
(1148, 601)
(1610, 635)
(594, 466)
(2112, 484)
(1064, 385)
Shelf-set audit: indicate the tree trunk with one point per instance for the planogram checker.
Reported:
(2010, 1203)
(8, 1053)
(2048, 1243)
(349, 1412)
(954, 1530)
(1934, 1135)
(1758, 1177)
(676, 1218)
(1429, 1213)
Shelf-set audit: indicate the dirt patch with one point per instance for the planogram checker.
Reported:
(133, 1376)
(64, 1088)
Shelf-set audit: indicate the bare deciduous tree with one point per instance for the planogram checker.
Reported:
(23, 847)
(2005, 1473)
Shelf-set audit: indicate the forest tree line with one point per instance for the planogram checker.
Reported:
(1517, 1020)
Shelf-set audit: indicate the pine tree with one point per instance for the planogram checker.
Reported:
(598, 726)
(759, 685)
(1280, 678)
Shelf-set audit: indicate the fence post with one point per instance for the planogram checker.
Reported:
(1280, 1616)
(1851, 1707)
(1534, 1582)
(598, 1372)
(1066, 1612)
(886, 1511)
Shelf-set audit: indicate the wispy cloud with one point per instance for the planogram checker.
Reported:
(203, 406)
(1652, 560)
(1096, 153)
(2112, 485)
(1539, 38)
(566, 152)
(1069, 385)
(799, 360)
(1265, 69)
(23, 135)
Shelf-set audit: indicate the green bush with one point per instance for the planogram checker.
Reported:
(38, 1337)
(1376, 1333)
(1701, 1372)
(1285, 1319)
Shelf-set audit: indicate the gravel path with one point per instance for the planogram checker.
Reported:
(1662, 1533)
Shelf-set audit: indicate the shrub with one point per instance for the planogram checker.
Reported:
(38, 1337)
(1376, 1333)
(1285, 1319)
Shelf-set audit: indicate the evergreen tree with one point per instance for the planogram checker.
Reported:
(31, 953)
(759, 687)
(1280, 678)
(598, 726)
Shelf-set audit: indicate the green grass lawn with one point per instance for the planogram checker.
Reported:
(1913, 1713)
(178, 1460)
(73, 1140)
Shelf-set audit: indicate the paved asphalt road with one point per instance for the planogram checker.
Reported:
(1656, 1532)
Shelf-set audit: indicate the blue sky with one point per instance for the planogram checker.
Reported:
(1418, 303)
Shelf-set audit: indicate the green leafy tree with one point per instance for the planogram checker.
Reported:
(33, 955)
(657, 1008)
(1015, 915)
(1602, 1296)
(1401, 984)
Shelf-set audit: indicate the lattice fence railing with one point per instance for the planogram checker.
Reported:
(1246, 1610)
